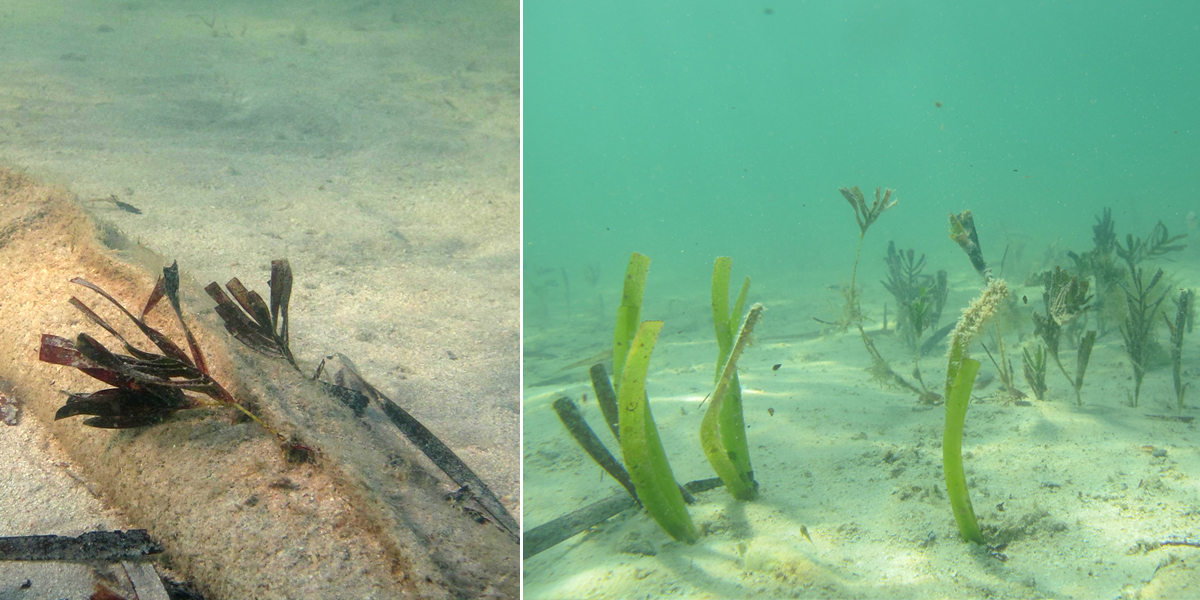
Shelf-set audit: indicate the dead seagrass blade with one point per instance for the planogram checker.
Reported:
(349, 386)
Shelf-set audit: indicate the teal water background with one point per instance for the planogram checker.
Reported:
(688, 130)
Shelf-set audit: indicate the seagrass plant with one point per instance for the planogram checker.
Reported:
(1034, 367)
(960, 374)
(1065, 297)
(960, 380)
(641, 446)
(147, 387)
(963, 232)
(723, 429)
(1183, 318)
(1142, 301)
(865, 216)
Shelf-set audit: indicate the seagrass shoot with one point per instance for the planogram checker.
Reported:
(723, 428)
(963, 232)
(960, 376)
(641, 446)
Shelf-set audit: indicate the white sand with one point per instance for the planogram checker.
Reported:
(1072, 490)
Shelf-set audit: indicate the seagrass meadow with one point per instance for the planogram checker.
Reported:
(962, 247)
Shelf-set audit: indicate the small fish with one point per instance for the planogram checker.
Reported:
(771, 411)
(776, 367)
(804, 532)
(125, 206)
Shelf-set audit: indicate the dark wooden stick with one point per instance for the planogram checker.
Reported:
(93, 546)
(546, 536)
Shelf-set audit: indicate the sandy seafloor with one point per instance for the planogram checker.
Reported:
(373, 144)
(1073, 490)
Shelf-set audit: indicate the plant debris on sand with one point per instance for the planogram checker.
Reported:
(147, 387)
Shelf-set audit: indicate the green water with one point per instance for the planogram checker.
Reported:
(689, 130)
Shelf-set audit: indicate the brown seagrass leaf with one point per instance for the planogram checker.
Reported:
(281, 293)
(161, 366)
(251, 302)
(61, 351)
(170, 284)
(94, 351)
(107, 402)
(182, 375)
(155, 295)
(242, 327)
(163, 342)
(125, 421)
(137, 353)
(96, 318)
(123, 408)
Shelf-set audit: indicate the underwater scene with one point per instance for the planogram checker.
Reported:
(260, 320)
(860, 300)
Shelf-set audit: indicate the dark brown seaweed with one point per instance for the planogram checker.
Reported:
(1138, 330)
(1183, 308)
(251, 321)
(147, 387)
